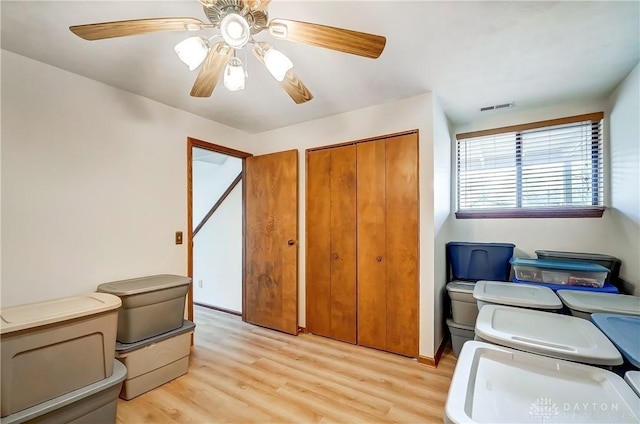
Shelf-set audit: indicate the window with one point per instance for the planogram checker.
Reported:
(543, 169)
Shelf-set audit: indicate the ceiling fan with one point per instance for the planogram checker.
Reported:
(237, 22)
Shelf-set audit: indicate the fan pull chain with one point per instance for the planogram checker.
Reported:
(246, 64)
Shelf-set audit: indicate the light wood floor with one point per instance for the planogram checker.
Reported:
(240, 373)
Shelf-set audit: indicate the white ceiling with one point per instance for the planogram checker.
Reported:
(471, 54)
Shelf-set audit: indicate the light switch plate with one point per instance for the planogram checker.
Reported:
(178, 237)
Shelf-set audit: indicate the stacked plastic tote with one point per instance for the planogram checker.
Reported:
(58, 361)
(469, 263)
(153, 339)
(569, 271)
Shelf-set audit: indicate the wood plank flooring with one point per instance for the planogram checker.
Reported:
(240, 373)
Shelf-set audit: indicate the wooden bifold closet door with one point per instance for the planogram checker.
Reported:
(387, 210)
(362, 243)
(331, 250)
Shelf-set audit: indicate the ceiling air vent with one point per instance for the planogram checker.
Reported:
(495, 107)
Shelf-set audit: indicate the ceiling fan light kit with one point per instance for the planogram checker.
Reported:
(192, 51)
(234, 75)
(235, 30)
(238, 21)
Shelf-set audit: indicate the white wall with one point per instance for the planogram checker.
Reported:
(93, 182)
(441, 169)
(624, 135)
(408, 114)
(568, 234)
(210, 181)
(217, 256)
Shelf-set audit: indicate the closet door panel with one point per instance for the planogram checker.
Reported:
(343, 243)
(402, 244)
(318, 259)
(372, 261)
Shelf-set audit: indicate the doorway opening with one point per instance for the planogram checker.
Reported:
(215, 226)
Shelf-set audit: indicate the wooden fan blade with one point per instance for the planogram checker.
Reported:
(104, 30)
(298, 92)
(257, 4)
(211, 70)
(343, 40)
(295, 88)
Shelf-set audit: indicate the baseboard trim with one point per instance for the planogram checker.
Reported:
(433, 362)
(216, 308)
(303, 330)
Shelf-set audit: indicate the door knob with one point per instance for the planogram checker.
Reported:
(379, 258)
(335, 256)
(291, 242)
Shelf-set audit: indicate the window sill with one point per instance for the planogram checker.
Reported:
(589, 212)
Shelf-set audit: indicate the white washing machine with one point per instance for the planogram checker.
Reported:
(496, 384)
(521, 295)
(555, 335)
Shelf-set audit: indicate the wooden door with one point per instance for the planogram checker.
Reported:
(331, 243)
(401, 221)
(271, 257)
(372, 260)
(318, 237)
(343, 243)
(387, 192)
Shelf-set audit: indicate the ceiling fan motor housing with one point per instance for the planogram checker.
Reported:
(257, 19)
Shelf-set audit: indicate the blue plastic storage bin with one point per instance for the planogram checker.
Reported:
(623, 331)
(480, 261)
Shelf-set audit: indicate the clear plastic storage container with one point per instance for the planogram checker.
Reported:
(559, 272)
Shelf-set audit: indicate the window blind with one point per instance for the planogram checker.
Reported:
(532, 167)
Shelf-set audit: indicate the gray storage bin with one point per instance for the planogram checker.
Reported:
(95, 403)
(54, 347)
(155, 361)
(460, 333)
(464, 307)
(582, 304)
(150, 305)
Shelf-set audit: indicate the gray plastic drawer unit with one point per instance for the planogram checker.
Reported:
(54, 347)
(460, 334)
(155, 361)
(95, 403)
(150, 305)
(464, 306)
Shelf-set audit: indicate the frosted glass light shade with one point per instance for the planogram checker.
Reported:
(235, 30)
(192, 51)
(234, 75)
(277, 63)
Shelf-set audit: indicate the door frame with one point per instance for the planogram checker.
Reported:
(191, 143)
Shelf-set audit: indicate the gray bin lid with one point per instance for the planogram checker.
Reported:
(576, 255)
(523, 295)
(460, 287)
(592, 302)
(555, 335)
(452, 324)
(633, 378)
(32, 315)
(144, 284)
(117, 377)
(128, 347)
